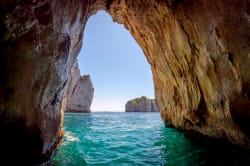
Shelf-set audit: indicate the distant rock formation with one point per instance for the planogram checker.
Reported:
(80, 94)
(142, 104)
(198, 50)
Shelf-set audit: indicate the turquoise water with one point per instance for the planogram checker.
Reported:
(129, 139)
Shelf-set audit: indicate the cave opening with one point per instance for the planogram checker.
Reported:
(116, 64)
(184, 43)
(119, 72)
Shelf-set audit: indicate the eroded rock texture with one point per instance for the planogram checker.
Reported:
(80, 93)
(199, 55)
(39, 43)
(199, 52)
(142, 104)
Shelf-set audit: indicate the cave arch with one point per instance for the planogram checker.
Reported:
(186, 43)
(115, 63)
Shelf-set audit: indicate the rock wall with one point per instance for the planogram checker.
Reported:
(199, 54)
(80, 93)
(39, 44)
(142, 104)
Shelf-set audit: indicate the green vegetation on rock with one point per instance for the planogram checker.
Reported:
(136, 101)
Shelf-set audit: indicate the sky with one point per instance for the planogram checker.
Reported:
(117, 66)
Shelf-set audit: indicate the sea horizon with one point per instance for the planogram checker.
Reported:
(134, 138)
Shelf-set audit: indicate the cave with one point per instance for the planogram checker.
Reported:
(199, 54)
(117, 66)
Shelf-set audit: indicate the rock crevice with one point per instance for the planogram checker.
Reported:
(80, 92)
(198, 51)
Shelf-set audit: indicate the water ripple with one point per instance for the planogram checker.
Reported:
(125, 139)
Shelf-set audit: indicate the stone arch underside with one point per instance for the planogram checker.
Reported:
(199, 54)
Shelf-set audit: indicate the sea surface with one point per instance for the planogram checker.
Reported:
(124, 139)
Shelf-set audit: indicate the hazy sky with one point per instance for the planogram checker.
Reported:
(117, 66)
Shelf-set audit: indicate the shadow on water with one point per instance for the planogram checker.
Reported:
(179, 149)
(139, 139)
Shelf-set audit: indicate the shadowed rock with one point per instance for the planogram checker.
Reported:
(199, 54)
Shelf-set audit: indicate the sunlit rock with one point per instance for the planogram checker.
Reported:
(80, 93)
(142, 104)
(199, 54)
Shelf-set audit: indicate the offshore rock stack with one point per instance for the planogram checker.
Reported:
(198, 51)
(142, 104)
(80, 93)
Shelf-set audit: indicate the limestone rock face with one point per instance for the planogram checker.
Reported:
(80, 93)
(39, 44)
(142, 104)
(199, 54)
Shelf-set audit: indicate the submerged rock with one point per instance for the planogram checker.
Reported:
(80, 93)
(142, 104)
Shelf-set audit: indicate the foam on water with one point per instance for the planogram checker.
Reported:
(129, 139)
(69, 136)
